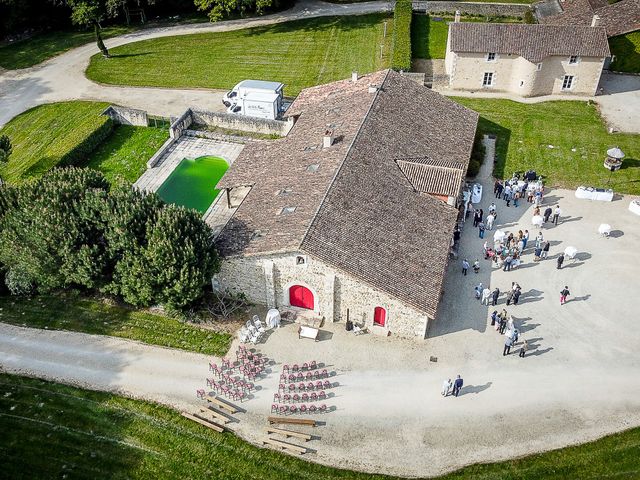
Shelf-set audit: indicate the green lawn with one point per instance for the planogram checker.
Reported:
(525, 132)
(81, 314)
(626, 48)
(429, 37)
(56, 431)
(42, 136)
(125, 153)
(39, 48)
(299, 54)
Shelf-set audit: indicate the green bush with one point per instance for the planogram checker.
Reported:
(401, 58)
(474, 168)
(529, 18)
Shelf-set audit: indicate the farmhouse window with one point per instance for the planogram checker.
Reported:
(539, 66)
(574, 59)
(567, 82)
(487, 80)
(491, 57)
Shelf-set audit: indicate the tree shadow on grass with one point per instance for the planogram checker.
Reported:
(503, 137)
(341, 23)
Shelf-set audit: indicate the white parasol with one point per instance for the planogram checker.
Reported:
(570, 252)
(604, 229)
(499, 235)
(537, 220)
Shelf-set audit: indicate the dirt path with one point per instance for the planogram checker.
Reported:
(62, 77)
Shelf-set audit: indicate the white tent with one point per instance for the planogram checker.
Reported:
(570, 252)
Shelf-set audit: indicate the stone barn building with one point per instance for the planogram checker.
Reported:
(525, 60)
(352, 213)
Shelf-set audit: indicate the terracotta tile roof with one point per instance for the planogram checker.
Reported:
(617, 19)
(358, 212)
(531, 41)
(428, 176)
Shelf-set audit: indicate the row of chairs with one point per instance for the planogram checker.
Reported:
(232, 382)
(292, 409)
(312, 365)
(309, 387)
(232, 391)
(295, 398)
(299, 377)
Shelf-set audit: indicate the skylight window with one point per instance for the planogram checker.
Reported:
(287, 210)
(285, 191)
(313, 167)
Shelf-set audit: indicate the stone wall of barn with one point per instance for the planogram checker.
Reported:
(266, 280)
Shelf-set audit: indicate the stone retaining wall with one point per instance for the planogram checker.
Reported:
(242, 123)
(161, 151)
(218, 136)
(181, 124)
(471, 8)
(127, 116)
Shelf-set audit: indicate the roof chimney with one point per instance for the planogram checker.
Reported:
(595, 20)
(456, 19)
(354, 77)
(373, 88)
(327, 140)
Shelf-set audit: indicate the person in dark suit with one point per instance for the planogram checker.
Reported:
(494, 296)
(457, 385)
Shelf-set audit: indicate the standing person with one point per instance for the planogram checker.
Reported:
(492, 207)
(481, 215)
(476, 266)
(503, 321)
(523, 349)
(507, 192)
(456, 235)
(494, 318)
(509, 297)
(496, 186)
(508, 343)
(481, 229)
(545, 249)
(490, 219)
(537, 254)
(547, 214)
(499, 191)
(465, 267)
(476, 218)
(564, 293)
(560, 261)
(494, 296)
(446, 386)
(556, 214)
(516, 296)
(525, 239)
(457, 385)
(539, 240)
(507, 263)
(509, 197)
(516, 197)
(486, 294)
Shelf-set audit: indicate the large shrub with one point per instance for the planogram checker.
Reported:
(401, 58)
(70, 229)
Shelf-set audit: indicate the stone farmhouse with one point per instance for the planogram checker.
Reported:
(616, 18)
(525, 60)
(350, 215)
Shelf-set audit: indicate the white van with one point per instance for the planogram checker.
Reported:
(257, 104)
(249, 86)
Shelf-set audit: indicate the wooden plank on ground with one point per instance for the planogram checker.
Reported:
(211, 421)
(284, 445)
(213, 426)
(216, 414)
(222, 403)
(289, 433)
(293, 421)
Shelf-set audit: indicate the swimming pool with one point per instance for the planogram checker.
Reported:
(192, 183)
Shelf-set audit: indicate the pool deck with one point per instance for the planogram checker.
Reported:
(185, 147)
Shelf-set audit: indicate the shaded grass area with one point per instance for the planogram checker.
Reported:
(56, 431)
(299, 54)
(578, 137)
(39, 48)
(626, 48)
(429, 36)
(124, 154)
(44, 135)
(86, 315)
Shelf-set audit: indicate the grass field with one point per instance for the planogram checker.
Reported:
(42, 136)
(56, 431)
(39, 48)
(626, 48)
(299, 54)
(81, 314)
(125, 153)
(574, 129)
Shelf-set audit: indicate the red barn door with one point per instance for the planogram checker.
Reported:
(300, 296)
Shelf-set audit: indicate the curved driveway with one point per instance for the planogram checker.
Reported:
(62, 77)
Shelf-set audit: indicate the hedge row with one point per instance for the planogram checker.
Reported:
(80, 152)
(401, 59)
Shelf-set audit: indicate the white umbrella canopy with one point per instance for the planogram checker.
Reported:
(604, 229)
(499, 235)
(537, 220)
(570, 252)
(615, 152)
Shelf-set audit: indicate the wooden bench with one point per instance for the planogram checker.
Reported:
(288, 433)
(217, 415)
(221, 403)
(284, 445)
(293, 421)
(205, 422)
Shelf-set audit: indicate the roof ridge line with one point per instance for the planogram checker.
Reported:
(339, 169)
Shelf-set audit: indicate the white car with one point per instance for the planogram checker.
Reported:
(476, 193)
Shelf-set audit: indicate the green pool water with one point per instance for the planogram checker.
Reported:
(192, 183)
